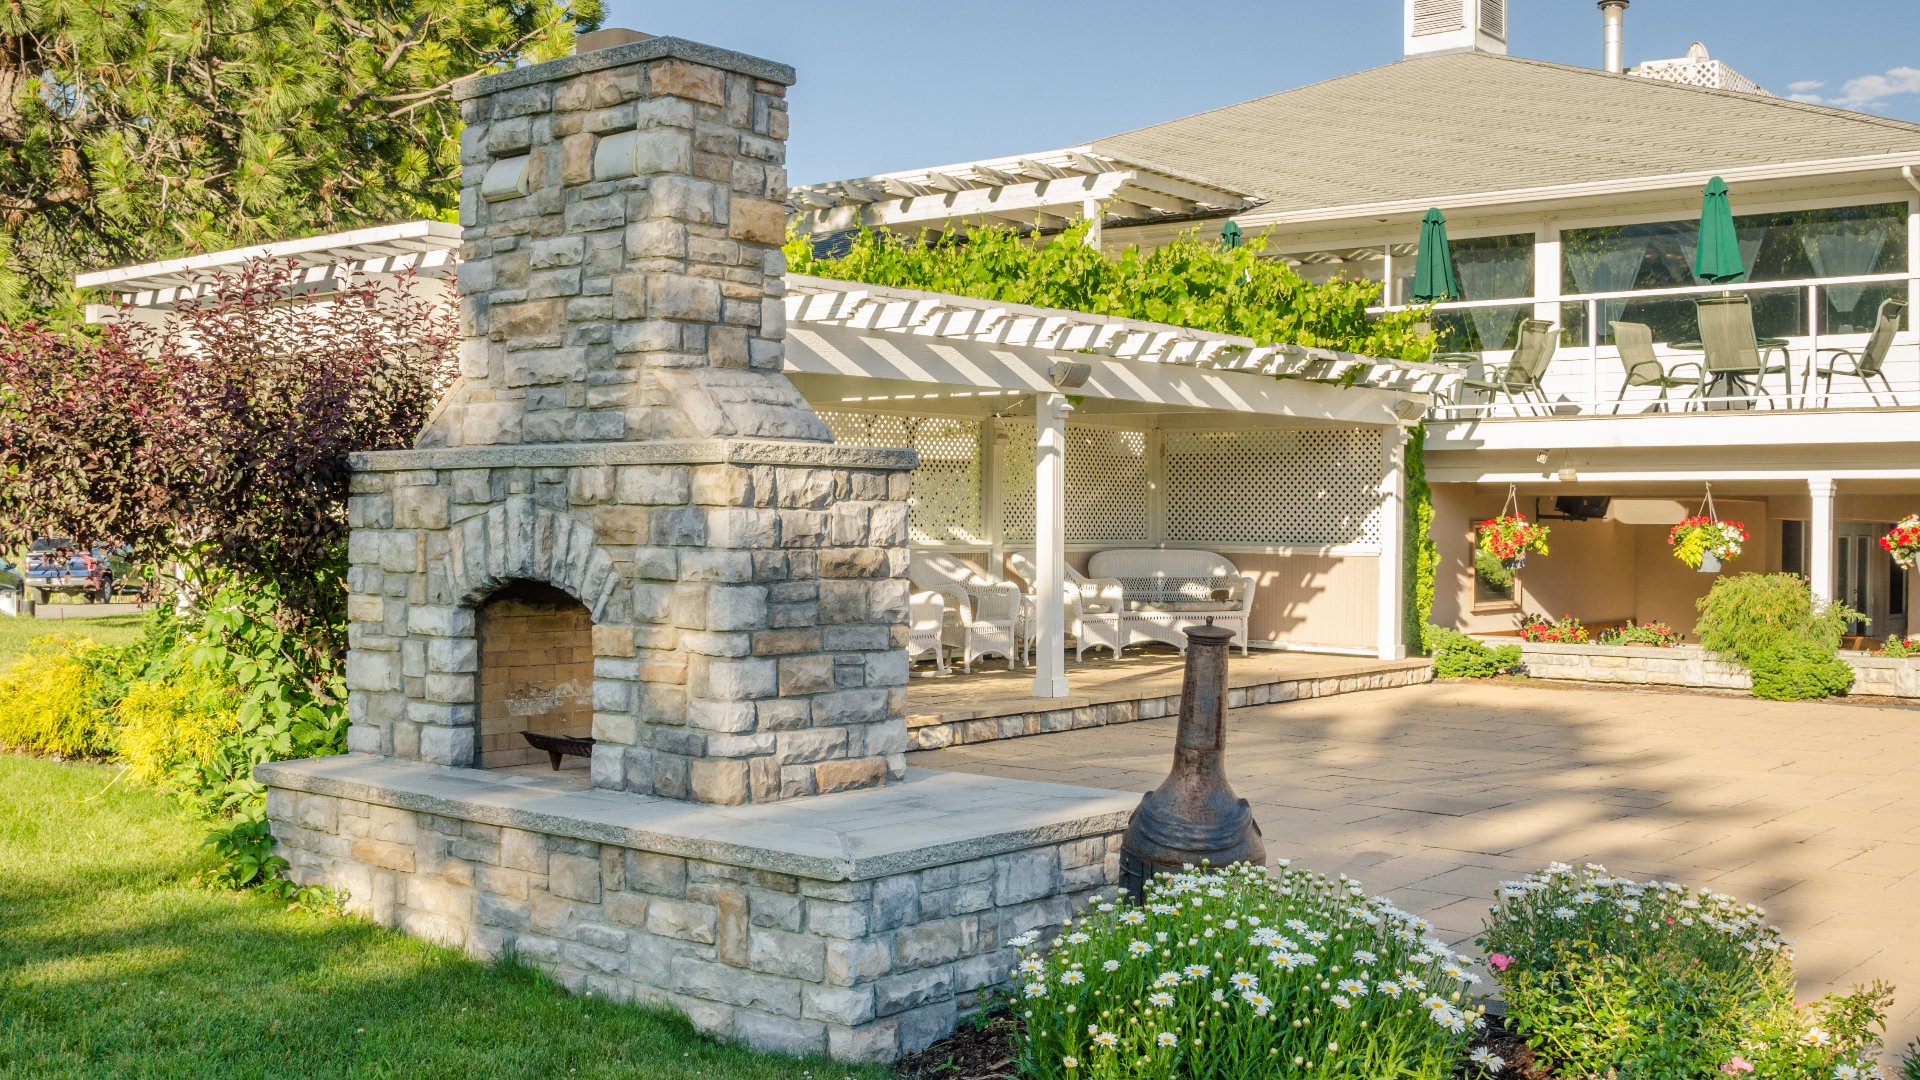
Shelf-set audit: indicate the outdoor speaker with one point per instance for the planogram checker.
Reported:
(1581, 507)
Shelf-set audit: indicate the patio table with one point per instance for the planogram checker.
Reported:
(1730, 379)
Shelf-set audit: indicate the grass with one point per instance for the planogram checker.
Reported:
(112, 964)
(105, 629)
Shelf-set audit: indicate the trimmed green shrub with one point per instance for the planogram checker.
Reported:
(50, 699)
(1645, 980)
(1768, 624)
(1457, 656)
(1238, 973)
(1799, 671)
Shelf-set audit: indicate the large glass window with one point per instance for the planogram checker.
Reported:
(1842, 241)
(1488, 268)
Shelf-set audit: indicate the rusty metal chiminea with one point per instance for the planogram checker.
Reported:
(1193, 816)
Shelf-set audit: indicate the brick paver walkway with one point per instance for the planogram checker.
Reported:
(1437, 793)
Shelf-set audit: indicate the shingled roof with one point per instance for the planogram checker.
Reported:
(1437, 127)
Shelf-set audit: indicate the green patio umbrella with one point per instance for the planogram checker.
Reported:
(1717, 257)
(1433, 273)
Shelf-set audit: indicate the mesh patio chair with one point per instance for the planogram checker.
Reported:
(1520, 379)
(1643, 367)
(1734, 354)
(1864, 364)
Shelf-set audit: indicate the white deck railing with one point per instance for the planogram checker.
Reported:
(1585, 379)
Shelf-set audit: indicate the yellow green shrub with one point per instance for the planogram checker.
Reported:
(49, 700)
(173, 721)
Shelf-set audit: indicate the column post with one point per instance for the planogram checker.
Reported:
(1390, 636)
(1050, 543)
(1820, 540)
(1091, 210)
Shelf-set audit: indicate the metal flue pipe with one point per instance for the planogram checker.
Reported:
(1614, 14)
(1194, 816)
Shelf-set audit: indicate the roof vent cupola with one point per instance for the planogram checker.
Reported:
(1437, 26)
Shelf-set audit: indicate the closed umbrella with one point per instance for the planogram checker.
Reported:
(1433, 272)
(1716, 259)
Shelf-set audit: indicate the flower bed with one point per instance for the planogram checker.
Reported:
(1606, 976)
(1566, 631)
(1236, 973)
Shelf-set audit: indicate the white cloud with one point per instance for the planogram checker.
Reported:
(1867, 91)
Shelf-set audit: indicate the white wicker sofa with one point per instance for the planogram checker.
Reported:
(1167, 590)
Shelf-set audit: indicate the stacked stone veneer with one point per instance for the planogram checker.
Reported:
(1690, 665)
(866, 959)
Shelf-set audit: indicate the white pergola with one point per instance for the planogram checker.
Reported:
(428, 248)
(1047, 190)
(852, 346)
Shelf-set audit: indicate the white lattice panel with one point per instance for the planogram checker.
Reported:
(1106, 484)
(1306, 486)
(1018, 456)
(944, 506)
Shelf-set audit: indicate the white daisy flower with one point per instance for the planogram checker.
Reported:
(1167, 1040)
(1107, 1039)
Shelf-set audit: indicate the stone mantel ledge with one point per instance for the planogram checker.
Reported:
(635, 52)
(665, 452)
(930, 819)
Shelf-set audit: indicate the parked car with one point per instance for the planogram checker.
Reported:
(53, 566)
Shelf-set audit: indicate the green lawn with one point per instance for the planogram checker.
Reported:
(105, 629)
(113, 965)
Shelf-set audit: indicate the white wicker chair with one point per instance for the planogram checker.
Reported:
(927, 612)
(1167, 590)
(981, 615)
(1093, 605)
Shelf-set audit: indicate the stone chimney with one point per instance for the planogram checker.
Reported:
(623, 454)
(624, 210)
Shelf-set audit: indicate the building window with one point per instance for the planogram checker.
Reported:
(1843, 241)
(1488, 268)
(1496, 587)
(1793, 548)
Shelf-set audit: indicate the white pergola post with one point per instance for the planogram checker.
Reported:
(1050, 544)
(1820, 540)
(1390, 641)
(1090, 209)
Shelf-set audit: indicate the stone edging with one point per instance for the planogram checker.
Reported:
(669, 452)
(930, 819)
(933, 732)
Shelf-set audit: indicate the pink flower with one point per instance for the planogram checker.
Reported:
(1500, 961)
(1737, 1065)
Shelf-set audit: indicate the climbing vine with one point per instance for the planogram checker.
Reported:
(1189, 281)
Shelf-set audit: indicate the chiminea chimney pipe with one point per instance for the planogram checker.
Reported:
(1614, 12)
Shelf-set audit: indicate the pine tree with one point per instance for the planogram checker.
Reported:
(133, 130)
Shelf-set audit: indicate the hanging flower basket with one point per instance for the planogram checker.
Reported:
(1903, 543)
(1510, 536)
(1700, 541)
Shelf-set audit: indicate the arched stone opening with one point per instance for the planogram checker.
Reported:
(536, 673)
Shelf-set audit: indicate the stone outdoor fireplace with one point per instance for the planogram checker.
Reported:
(622, 437)
(625, 522)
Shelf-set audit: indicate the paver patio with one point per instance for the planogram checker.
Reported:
(1437, 793)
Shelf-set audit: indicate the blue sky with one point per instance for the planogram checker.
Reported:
(899, 85)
